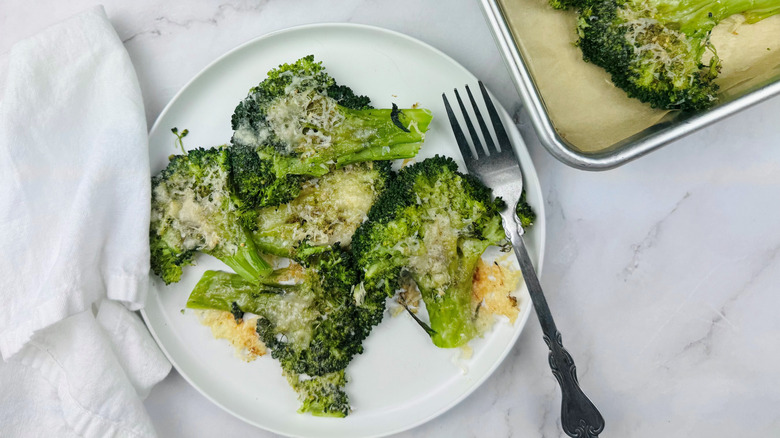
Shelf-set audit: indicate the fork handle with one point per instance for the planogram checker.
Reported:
(579, 416)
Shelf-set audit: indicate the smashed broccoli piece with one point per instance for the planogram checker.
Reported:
(192, 211)
(433, 223)
(654, 49)
(303, 123)
(327, 211)
(314, 320)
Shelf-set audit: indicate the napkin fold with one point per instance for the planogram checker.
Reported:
(74, 248)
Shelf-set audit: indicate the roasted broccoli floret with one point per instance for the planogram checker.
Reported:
(255, 185)
(314, 320)
(328, 211)
(306, 124)
(525, 212)
(654, 49)
(322, 396)
(432, 223)
(192, 211)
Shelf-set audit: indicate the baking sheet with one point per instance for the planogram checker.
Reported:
(583, 105)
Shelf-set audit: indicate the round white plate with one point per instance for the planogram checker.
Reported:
(401, 380)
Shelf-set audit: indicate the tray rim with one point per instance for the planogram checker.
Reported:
(618, 153)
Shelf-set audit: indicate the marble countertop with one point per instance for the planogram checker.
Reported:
(662, 274)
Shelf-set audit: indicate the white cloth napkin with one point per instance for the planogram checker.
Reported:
(74, 249)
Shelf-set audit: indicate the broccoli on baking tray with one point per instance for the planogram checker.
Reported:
(655, 49)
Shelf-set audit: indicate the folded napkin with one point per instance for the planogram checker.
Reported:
(74, 221)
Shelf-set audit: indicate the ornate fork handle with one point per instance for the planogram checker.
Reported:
(579, 417)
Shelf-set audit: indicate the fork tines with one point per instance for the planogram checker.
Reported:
(489, 148)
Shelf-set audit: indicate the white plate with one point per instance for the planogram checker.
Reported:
(401, 380)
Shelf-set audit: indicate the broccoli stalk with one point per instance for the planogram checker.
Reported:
(192, 211)
(433, 223)
(701, 16)
(219, 290)
(654, 49)
(450, 309)
(344, 136)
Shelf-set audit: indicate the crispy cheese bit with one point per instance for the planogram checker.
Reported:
(242, 336)
(408, 297)
(294, 273)
(492, 289)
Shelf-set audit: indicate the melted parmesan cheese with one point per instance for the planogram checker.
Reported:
(655, 44)
(492, 290)
(246, 135)
(409, 297)
(300, 119)
(440, 240)
(196, 217)
(242, 336)
(327, 211)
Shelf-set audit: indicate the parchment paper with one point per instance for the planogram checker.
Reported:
(583, 104)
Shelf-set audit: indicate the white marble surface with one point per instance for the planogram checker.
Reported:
(662, 274)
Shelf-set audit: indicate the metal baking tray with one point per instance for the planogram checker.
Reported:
(667, 130)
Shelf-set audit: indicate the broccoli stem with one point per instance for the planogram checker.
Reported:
(218, 290)
(415, 121)
(364, 135)
(403, 150)
(245, 259)
(451, 313)
(701, 16)
(269, 244)
(756, 15)
(452, 319)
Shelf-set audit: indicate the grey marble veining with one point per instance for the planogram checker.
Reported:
(662, 274)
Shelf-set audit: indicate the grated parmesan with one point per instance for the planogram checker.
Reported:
(242, 336)
(327, 211)
(492, 290)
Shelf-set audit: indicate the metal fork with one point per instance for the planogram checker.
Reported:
(499, 169)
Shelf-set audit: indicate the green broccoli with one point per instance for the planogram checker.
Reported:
(433, 223)
(254, 181)
(313, 324)
(192, 211)
(525, 212)
(303, 123)
(327, 211)
(654, 49)
(255, 185)
(322, 396)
